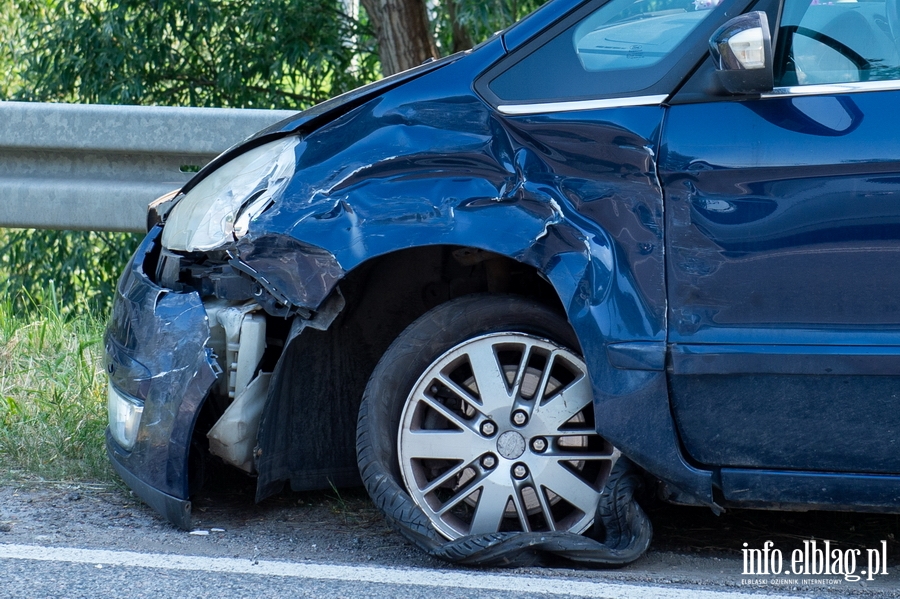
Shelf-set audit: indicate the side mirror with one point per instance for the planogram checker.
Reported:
(742, 51)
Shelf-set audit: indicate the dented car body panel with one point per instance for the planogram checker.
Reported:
(629, 216)
(156, 352)
(431, 164)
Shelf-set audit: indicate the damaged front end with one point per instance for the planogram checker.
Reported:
(184, 342)
(160, 371)
(196, 332)
(231, 336)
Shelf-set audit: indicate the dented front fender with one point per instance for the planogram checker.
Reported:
(574, 195)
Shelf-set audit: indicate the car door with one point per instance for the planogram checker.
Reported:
(783, 248)
(581, 104)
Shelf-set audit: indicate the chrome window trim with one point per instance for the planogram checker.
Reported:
(833, 88)
(543, 107)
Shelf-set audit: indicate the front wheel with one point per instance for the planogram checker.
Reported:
(482, 410)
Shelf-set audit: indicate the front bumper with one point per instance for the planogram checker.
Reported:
(175, 510)
(156, 352)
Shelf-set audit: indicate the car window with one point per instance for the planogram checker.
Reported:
(626, 35)
(613, 49)
(841, 42)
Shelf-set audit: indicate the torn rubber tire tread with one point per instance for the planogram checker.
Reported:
(619, 520)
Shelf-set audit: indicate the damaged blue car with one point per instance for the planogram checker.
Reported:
(622, 245)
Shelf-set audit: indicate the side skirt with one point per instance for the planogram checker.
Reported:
(811, 490)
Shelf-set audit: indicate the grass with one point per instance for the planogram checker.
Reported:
(52, 396)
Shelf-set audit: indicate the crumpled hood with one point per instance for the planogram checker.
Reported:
(312, 118)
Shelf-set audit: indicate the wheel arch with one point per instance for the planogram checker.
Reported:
(576, 270)
(382, 295)
(386, 293)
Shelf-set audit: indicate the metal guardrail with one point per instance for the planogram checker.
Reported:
(93, 167)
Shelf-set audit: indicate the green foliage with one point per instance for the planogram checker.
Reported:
(262, 54)
(69, 272)
(52, 396)
(479, 19)
(9, 69)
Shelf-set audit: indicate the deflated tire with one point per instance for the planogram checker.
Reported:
(476, 439)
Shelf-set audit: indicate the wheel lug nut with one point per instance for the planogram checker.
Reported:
(488, 428)
(489, 461)
(520, 471)
(539, 445)
(519, 417)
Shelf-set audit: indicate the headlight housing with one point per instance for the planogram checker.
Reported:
(219, 208)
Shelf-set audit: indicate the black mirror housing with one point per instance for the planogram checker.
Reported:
(742, 52)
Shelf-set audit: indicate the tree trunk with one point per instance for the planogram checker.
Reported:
(404, 36)
(461, 38)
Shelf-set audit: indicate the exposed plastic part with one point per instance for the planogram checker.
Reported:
(323, 317)
(238, 335)
(233, 437)
(294, 273)
(245, 355)
(238, 338)
(160, 207)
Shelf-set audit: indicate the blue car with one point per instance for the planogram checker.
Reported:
(623, 249)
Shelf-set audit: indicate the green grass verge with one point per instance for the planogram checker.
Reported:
(52, 397)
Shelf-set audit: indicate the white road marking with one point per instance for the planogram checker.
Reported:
(421, 577)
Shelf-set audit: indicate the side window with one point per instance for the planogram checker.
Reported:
(843, 42)
(622, 46)
(628, 35)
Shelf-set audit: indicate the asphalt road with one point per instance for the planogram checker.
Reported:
(38, 571)
(64, 541)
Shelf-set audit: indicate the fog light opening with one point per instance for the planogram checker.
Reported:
(124, 417)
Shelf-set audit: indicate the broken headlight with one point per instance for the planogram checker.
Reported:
(219, 208)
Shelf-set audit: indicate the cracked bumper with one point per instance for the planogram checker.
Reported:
(156, 352)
